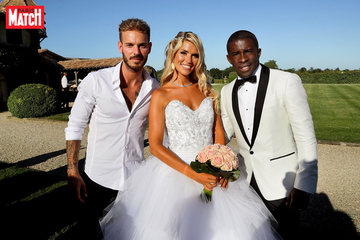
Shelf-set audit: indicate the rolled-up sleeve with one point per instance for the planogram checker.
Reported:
(82, 109)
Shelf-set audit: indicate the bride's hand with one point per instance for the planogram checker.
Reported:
(209, 181)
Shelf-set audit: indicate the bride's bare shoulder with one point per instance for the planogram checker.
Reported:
(162, 95)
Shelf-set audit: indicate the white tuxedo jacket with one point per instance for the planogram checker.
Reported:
(282, 153)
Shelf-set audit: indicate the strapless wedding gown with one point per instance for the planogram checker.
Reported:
(160, 203)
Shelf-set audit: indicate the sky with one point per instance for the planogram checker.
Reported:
(308, 33)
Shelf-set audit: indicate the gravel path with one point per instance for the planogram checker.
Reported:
(40, 145)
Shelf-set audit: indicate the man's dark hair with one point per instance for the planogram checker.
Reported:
(241, 35)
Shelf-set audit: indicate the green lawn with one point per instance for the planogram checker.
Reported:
(59, 117)
(335, 109)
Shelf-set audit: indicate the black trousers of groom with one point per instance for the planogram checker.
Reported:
(288, 221)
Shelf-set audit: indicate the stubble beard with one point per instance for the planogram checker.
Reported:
(136, 67)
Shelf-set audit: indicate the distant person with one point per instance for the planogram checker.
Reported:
(116, 100)
(65, 91)
(268, 112)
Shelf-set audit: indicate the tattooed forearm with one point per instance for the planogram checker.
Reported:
(72, 149)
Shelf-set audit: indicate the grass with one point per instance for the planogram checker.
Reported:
(35, 205)
(335, 109)
(64, 116)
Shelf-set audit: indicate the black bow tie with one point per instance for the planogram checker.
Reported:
(240, 82)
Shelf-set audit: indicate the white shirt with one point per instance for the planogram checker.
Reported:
(115, 145)
(64, 82)
(247, 97)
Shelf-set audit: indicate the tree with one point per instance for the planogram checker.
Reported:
(215, 73)
(317, 70)
(303, 69)
(159, 73)
(292, 70)
(271, 64)
(226, 72)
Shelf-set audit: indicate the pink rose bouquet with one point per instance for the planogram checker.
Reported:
(217, 160)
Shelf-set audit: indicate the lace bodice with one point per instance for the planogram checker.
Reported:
(187, 128)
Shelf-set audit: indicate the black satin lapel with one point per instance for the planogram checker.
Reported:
(260, 98)
(235, 103)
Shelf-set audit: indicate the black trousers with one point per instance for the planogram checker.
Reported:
(288, 221)
(91, 211)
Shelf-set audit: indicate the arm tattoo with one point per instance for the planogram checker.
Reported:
(72, 149)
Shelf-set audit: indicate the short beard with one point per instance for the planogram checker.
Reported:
(136, 68)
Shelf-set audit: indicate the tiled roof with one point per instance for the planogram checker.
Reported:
(90, 63)
(5, 3)
(47, 53)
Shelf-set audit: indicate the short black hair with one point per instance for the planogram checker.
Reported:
(241, 35)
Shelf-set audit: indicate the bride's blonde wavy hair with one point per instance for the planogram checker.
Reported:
(200, 69)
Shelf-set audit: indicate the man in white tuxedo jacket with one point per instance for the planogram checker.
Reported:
(268, 112)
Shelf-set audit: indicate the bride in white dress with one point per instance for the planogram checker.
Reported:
(162, 199)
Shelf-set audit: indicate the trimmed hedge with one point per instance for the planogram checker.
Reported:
(331, 77)
(32, 100)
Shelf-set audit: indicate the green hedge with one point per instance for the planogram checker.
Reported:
(32, 100)
(331, 77)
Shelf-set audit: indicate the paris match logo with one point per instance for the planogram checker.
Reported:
(24, 17)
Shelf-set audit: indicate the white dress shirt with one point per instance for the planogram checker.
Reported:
(247, 97)
(116, 137)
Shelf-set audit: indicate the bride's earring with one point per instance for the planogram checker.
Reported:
(172, 65)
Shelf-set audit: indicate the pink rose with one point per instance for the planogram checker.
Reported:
(232, 159)
(216, 146)
(217, 161)
(224, 148)
(228, 157)
(207, 148)
(202, 157)
(227, 166)
(210, 153)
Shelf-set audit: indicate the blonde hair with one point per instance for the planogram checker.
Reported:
(198, 74)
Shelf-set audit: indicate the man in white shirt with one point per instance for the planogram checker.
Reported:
(64, 81)
(117, 101)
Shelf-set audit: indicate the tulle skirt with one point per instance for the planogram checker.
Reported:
(160, 203)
